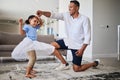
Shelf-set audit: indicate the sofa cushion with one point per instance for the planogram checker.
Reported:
(14, 39)
(7, 47)
(46, 38)
(10, 38)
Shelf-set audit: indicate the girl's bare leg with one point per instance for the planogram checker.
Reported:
(31, 62)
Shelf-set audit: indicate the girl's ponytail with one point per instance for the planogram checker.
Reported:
(30, 17)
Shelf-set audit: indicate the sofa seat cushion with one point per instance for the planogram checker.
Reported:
(10, 38)
(7, 47)
(46, 38)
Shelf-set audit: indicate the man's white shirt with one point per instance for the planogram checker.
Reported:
(77, 30)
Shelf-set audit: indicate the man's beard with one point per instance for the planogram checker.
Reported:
(72, 13)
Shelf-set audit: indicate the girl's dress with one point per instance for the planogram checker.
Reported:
(30, 43)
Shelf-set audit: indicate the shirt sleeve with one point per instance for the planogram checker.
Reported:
(26, 28)
(58, 16)
(87, 31)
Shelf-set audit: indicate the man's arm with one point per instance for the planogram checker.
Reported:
(58, 16)
(87, 33)
(45, 13)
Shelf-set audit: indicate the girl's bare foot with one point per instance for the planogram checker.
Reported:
(33, 71)
(28, 72)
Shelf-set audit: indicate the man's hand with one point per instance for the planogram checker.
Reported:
(39, 13)
(79, 52)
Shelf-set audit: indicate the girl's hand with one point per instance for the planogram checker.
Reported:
(22, 32)
(20, 21)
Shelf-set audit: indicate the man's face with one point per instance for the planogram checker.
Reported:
(73, 8)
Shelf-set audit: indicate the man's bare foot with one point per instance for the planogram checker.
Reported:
(30, 75)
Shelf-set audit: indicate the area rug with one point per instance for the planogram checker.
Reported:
(105, 76)
(45, 71)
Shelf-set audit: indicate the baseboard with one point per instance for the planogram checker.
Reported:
(39, 58)
(106, 55)
(87, 59)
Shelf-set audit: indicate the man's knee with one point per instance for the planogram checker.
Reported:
(77, 68)
(56, 45)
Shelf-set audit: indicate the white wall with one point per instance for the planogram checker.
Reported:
(105, 12)
(14, 9)
(63, 7)
(86, 8)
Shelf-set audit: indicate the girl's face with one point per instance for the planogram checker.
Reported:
(33, 22)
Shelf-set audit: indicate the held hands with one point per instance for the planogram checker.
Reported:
(39, 13)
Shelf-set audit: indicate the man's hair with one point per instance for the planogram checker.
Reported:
(75, 2)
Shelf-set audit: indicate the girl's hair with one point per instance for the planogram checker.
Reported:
(30, 17)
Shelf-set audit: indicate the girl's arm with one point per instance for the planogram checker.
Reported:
(40, 21)
(22, 32)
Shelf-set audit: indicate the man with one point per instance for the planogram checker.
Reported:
(78, 36)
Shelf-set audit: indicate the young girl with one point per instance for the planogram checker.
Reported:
(29, 47)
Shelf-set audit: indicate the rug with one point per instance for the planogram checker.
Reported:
(106, 76)
(45, 71)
